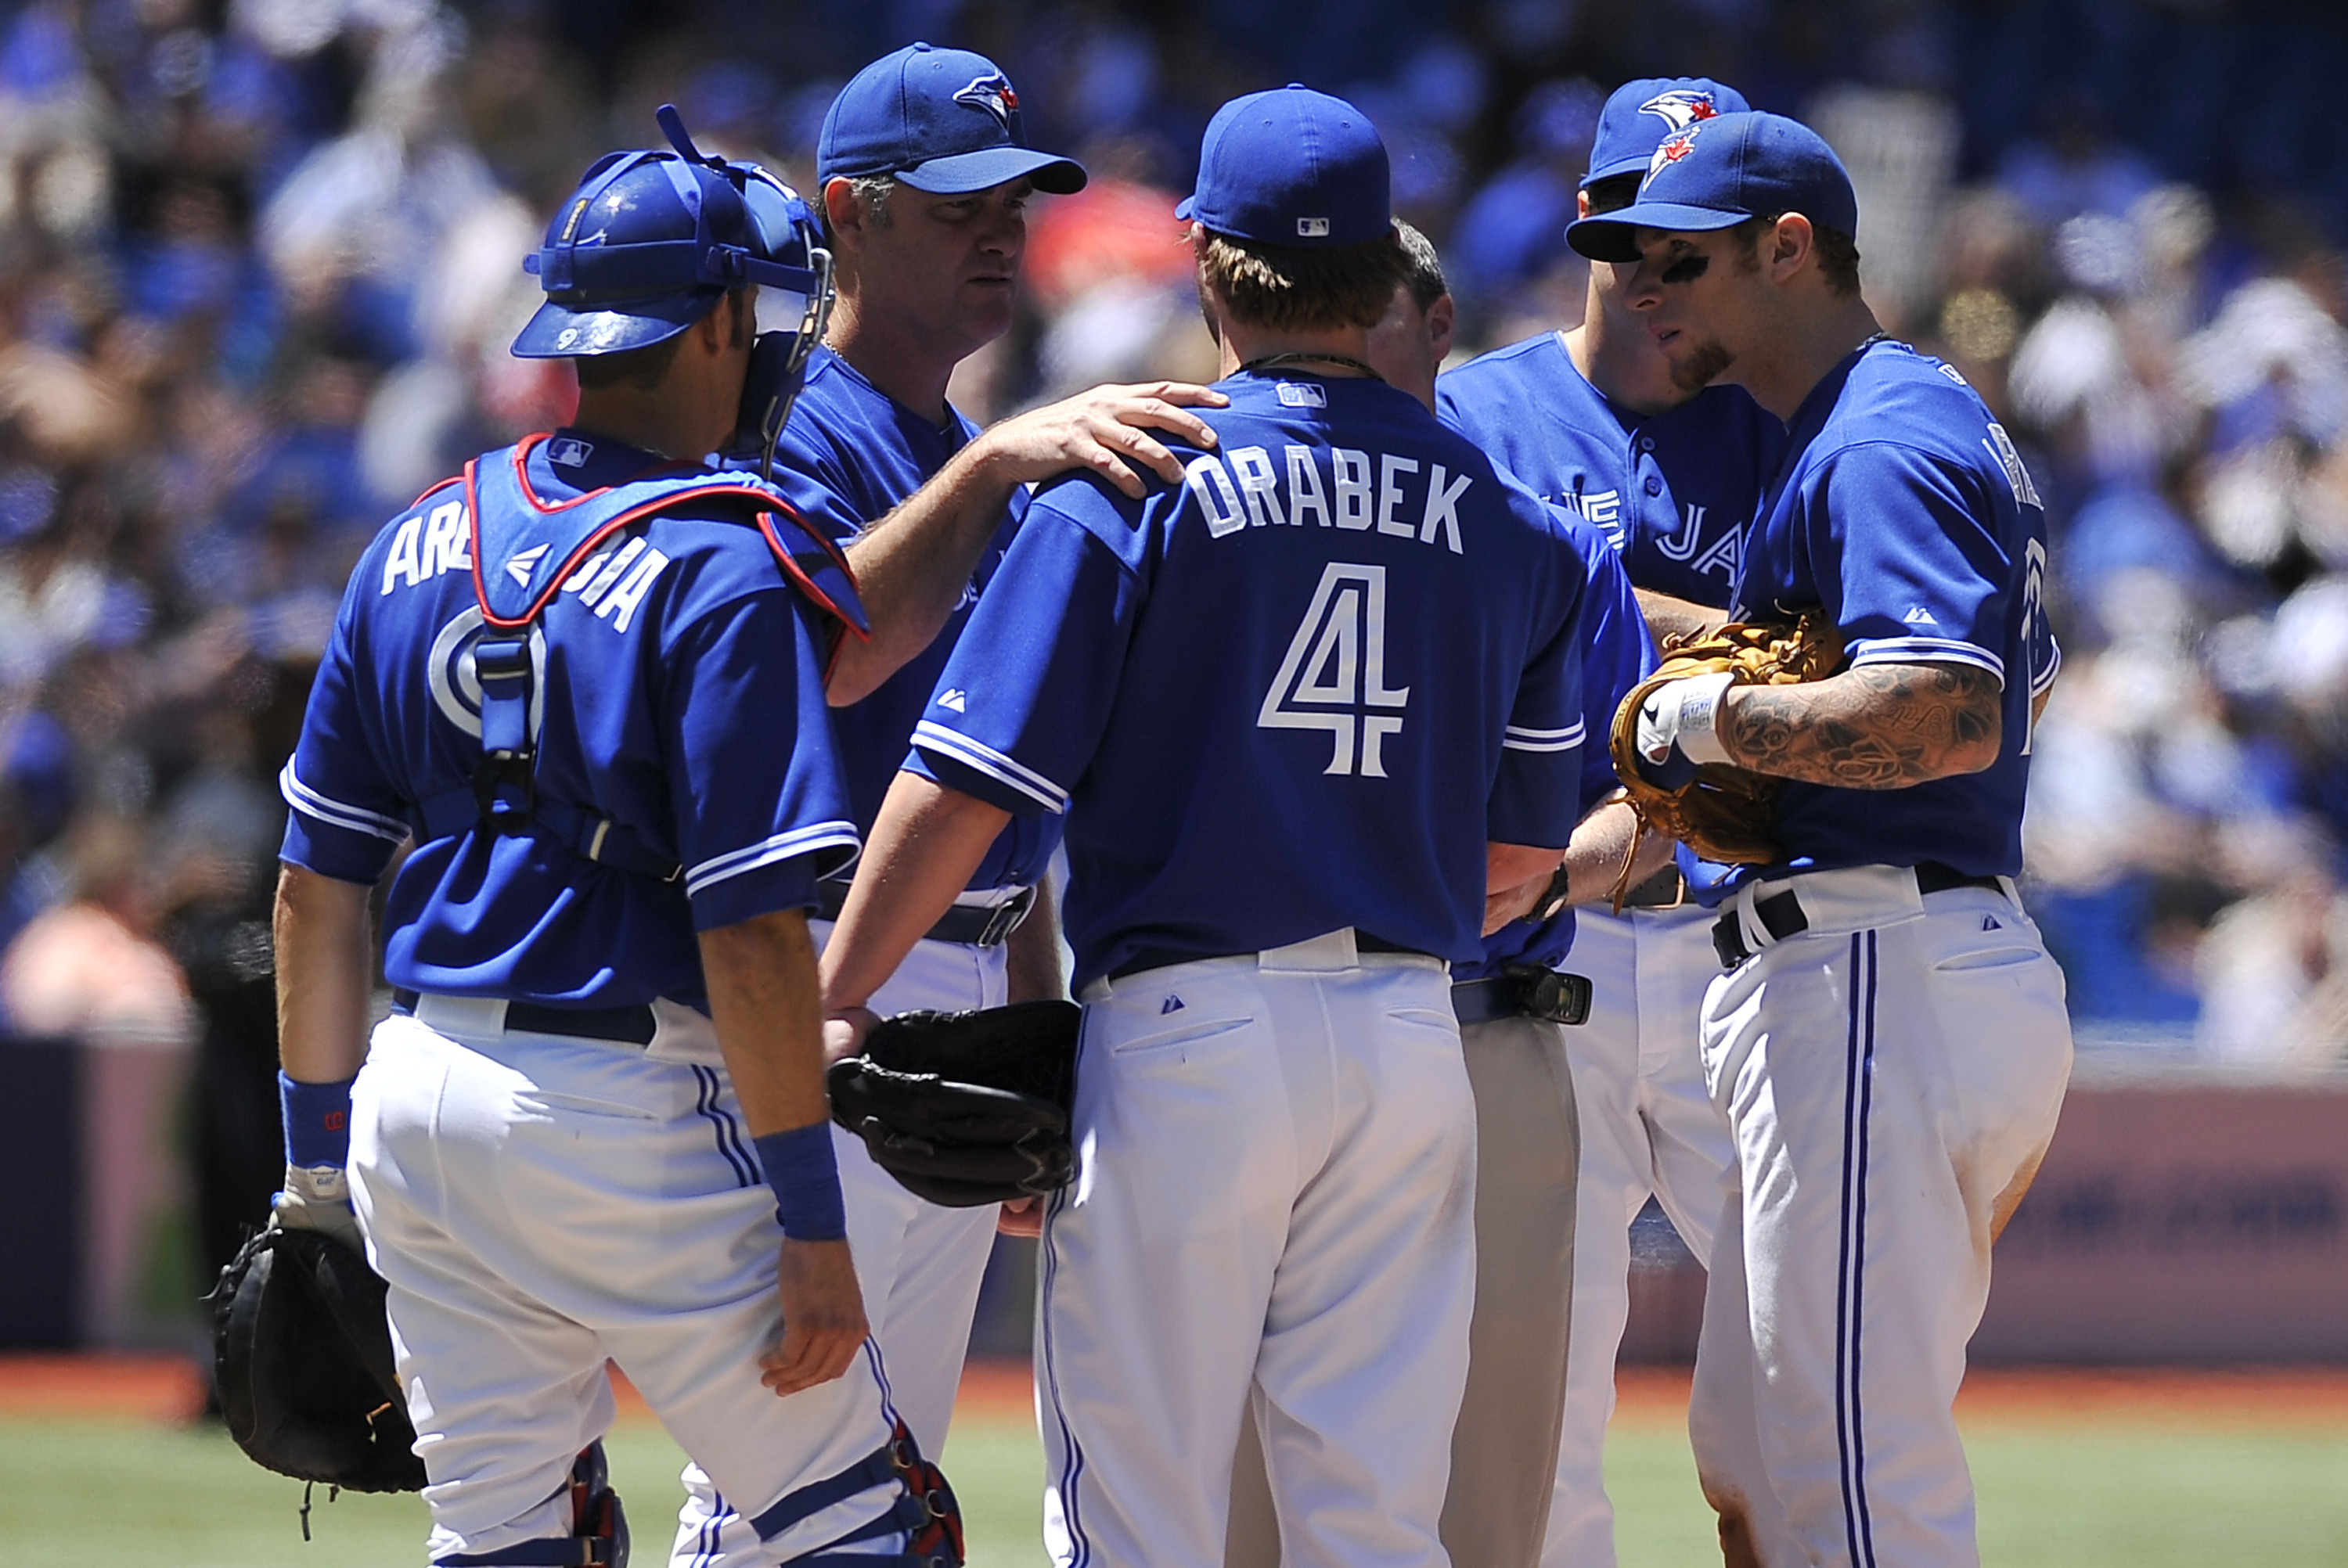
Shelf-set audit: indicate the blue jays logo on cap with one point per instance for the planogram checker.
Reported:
(1681, 107)
(1671, 149)
(995, 95)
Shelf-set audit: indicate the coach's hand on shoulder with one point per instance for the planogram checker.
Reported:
(823, 1317)
(1105, 430)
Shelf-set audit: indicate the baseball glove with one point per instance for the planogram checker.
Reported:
(1722, 813)
(302, 1354)
(966, 1108)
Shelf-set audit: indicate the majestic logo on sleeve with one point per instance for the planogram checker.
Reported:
(993, 95)
(1672, 150)
(1681, 107)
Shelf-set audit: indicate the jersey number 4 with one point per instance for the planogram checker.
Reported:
(1333, 675)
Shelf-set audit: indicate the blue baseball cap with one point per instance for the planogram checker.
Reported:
(1295, 167)
(1718, 173)
(942, 120)
(1639, 113)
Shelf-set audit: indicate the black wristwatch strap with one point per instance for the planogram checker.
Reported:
(1552, 897)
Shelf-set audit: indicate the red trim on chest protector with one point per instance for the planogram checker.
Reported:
(767, 504)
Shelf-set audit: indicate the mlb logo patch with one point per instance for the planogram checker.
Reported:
(569, 451)
(1303, 395)
(1312, 227)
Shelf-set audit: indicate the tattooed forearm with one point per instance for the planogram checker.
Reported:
(1880, 726)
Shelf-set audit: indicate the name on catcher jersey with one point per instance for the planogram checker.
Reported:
(1295, 692)
(848, 455)
(678, 693)
(1674, 493)
(1905, 512)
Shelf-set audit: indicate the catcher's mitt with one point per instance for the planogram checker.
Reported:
(966, 1108)
(302, 1354)
(1722, 813)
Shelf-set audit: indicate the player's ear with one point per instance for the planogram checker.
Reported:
(1791, 245)
(710, 334)
(1442, 321)
(845, 212)
(1581, 204)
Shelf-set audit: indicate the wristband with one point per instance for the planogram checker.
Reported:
(1702, 698)
(801, 1168)
(317, 1122)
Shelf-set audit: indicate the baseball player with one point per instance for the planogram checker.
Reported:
(1593, 419)
(1503, 1447)
(1887, 1041)
(585, 677)
(1258, 697)
(926, 178)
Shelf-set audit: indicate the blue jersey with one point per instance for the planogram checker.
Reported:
(1674, 492)
(678, 697)
(1617, 653)
(1904, 512)
(850, 455)
(1266, 697)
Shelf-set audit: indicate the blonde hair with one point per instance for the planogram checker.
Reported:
(1286, 288)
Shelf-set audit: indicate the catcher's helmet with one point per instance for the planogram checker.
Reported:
(652, 240)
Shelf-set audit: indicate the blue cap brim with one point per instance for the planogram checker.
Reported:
(1615, 236)
(1620, 165)
(615, 326)
(964, 172)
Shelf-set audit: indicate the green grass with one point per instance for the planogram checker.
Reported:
(2082, 1494)
(2060, 1494)
(122, 1494)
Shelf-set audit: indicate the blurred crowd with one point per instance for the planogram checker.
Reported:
(259, 264)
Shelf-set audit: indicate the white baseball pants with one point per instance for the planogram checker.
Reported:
(541, 1203)
(1271, 1219)
(1504, 1445)
(1648, 1128)
(920, 1264)
(1891, 1077)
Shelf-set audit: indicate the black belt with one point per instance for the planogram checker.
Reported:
(631, 1026)
(1528, 992)
(1666, 890)
(1166, 957)
(965, 924)
(1781, 915)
